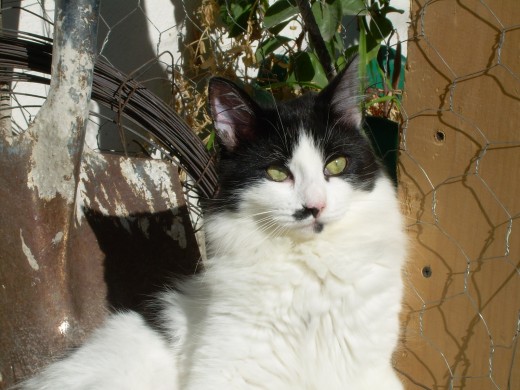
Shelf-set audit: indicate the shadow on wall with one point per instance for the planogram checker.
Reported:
(11, 16)
(131, 35)
(185, 16)
(143, 253)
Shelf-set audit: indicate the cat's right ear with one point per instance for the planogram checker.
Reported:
(233, 112)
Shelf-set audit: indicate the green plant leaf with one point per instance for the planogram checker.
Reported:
(328, 18)
(211, 141)
(279, 12)
(307, 70)
(350, 52)
(380, 27)
(270, 45)
(382, 99)
(340, 63)
(338, 43)
(352, 7)
(363, 57)
(372, 47)
(260, 95)
(392, 9)
(273, 70)
(275, 30)
(236, 18)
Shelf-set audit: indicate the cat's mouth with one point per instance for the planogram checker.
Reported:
(313, 226)
(308, 219)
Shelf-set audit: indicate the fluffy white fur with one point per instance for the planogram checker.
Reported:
(279, 306)
(124, 354)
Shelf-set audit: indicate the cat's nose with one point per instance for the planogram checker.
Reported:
(306, 211)
(314, 211)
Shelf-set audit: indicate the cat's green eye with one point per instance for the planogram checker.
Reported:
(277, 173)
(336, 166)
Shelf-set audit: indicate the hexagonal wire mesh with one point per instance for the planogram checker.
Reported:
(459, 180)
(458, 164)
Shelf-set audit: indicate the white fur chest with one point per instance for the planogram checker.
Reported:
(312, 314)
(298, 319)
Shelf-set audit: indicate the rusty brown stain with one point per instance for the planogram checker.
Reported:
(105, 261)
(67, 257)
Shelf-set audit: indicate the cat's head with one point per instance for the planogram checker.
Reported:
(297, 166)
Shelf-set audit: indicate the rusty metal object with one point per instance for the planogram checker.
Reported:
(80, 232)
(130, 233)
(40, 169)
(121, 94)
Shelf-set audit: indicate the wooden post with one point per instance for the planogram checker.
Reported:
(459, 183)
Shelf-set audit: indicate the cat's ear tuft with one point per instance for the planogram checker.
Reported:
(343, 94)
(233, 112)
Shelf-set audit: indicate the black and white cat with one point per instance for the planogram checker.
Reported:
(302, 288)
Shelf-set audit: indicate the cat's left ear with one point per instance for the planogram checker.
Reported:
(233, 111)
(343, 95)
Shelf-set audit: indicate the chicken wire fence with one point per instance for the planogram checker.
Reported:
(459, 185)
(458, 164)
(150, 84)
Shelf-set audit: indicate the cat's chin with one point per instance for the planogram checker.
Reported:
(307, 230)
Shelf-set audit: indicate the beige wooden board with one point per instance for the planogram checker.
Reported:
(459, 186)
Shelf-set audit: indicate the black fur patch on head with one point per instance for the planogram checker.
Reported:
(254, 138)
